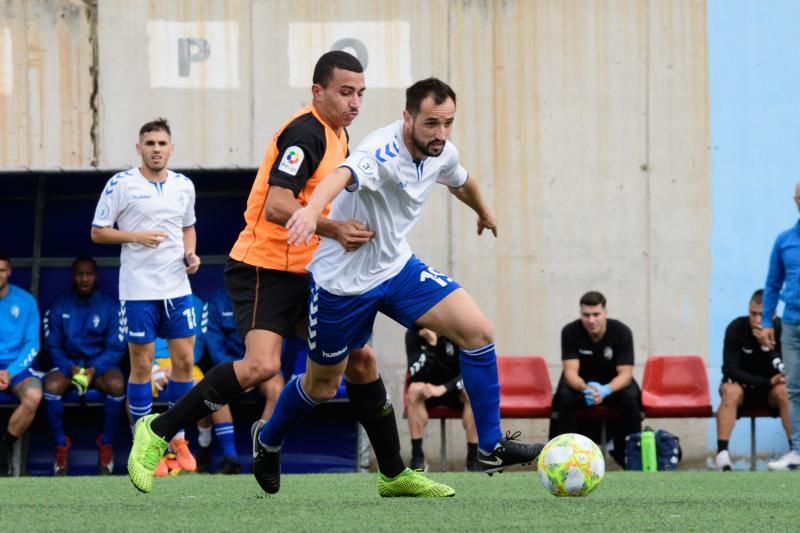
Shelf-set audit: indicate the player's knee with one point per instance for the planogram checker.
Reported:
(182, 362)
(55, 383)
(479, 334)
(31, 398)
(115, 386)
(731, 394)
(260, 369)
(362, 365)
(780, 393)
(321, 390)
(415, 392)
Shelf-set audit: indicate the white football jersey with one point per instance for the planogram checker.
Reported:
(388, 197)
(133, 203)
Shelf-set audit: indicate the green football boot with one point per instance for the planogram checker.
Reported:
(413, 484)
(146, 451)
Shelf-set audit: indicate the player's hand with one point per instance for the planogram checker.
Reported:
(90, 373)
(151, 238)
(429, 336)
(159, 377)
(777, 379)
(192, 262)
(768, 337)
(433, 391)
(487, 221)
(5, 379)
(352, 234)
(302, 226)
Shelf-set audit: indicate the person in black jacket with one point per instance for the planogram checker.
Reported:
(434, 379)
(752, 376)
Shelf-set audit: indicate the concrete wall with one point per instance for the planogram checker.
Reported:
(45, 84)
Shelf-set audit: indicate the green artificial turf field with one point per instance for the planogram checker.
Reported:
(625, 501)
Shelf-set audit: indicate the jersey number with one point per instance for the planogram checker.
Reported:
(434, 275)
(190, 318)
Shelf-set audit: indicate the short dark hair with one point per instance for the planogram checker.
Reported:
(434, 87)
(157, 124)
(323, 70)
(593, 298)
(5, 256)
(84, 259)
(757, 297)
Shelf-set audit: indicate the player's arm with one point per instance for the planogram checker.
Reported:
(191, 260)
(776, 274)
(731, 362)
(109, 235)
(470, 194)
(623, 378)
(54, 339)
(570, 368)
(303, 223)
(30, 342)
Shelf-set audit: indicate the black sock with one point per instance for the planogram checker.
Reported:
(7, 441)
(722, 445)
(374, 411)
(416, 448)
(217, 388)
(790, 444)
(472, 451)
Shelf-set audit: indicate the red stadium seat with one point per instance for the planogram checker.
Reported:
(676, 386)
(525, 387)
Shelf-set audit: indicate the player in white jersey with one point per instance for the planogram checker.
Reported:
(153, 210)
(388, 177)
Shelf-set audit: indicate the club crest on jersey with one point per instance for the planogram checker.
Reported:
(608, 352)
(15, 311)
(95, 321)
(291, 160)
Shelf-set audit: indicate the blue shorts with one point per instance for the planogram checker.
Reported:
(168, 319)
(27, 373)
(339, 324)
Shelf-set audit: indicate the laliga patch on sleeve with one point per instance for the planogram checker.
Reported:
(291, 160)
(367, 165)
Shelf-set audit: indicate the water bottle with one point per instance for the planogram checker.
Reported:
(648, 443)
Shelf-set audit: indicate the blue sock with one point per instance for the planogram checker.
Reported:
(140, 400)
(293, 404)
(224, 434)
(176, 390)
(55, 414)
(112, 413)
(479, 373)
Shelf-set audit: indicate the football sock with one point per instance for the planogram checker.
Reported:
(224, 434)
(293, 404)
(140, 400)
(479, 373)
(176, 391)
(113, 408)
(472, 451)
(55, 415)
(373, 409)
(416, 448)
(722, 445)
(7, 442)
(216, 389)
(203, 436)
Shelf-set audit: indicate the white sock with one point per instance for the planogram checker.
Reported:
(204, 437)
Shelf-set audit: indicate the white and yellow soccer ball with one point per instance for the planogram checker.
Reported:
(571, 465)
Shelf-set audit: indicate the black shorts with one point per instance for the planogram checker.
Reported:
(450, 399)
(268, 299)
(753, 399)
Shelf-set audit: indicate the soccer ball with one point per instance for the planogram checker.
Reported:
(571, 465)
